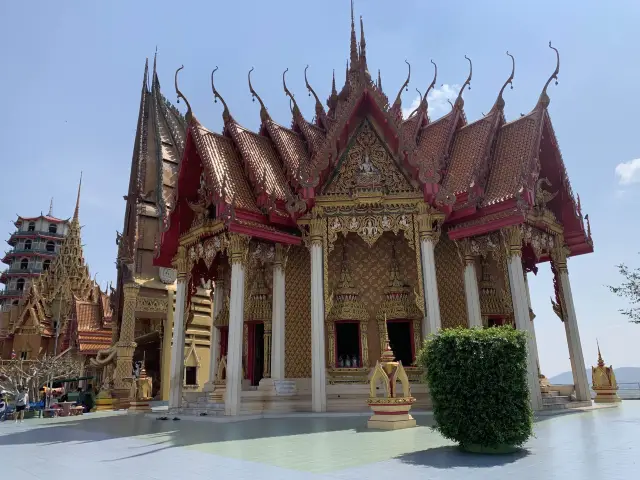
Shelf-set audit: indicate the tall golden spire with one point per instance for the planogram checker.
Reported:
(77, 210)
(600, 360)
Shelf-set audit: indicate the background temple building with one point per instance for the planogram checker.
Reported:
(318, 233)
(158, 148)
(36, 242)
(63, 310)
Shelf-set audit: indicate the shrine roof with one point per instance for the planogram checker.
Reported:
(516, 143)
(224, 166)
(290, 146)
(433, 142)
(260, 159)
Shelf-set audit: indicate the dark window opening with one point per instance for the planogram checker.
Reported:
(27, 245)
(46, 264)
(211, 212)
(31, 227)
(16, 302)
(497, 322)
(258, 353)
(20, 284)
(191, 376)
(224, 341)
(24, 355)
(24, 264)
(400, 340)
(51, 246)
(53, 228)
(348, 345)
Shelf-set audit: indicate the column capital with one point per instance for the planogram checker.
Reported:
(181, 263)
(429, 222)
(131, 290)
(468, 251)
(559, 255)
(238, 248)
(317, 226)
(281, 255)
(512, 237)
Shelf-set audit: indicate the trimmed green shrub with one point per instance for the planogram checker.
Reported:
(478, 384)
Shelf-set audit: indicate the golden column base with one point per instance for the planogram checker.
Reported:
(391, 416)
(607, 395)
(104, 402)
(121, 398)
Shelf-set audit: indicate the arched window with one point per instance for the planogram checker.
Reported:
(53, 228)
(51, 247)
(31, 227)
(27, 245)
(24, 264)
(16, 302)
(20, 284)
(45, 265)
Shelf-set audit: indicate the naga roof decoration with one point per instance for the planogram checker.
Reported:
(481, 174)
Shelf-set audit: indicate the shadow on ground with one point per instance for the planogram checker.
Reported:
(448, 457)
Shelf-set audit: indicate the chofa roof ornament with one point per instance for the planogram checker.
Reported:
(544, 98)
(467, 83)
(189, 113)
(226, 115)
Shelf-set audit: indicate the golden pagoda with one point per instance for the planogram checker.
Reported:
(604, 382)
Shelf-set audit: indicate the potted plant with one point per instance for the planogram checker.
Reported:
(478, 384)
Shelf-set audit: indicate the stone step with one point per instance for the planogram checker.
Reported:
(556, 400)
(552, 393)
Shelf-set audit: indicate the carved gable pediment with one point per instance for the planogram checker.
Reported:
(367, 166)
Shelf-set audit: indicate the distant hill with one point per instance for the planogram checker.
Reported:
(623, 375)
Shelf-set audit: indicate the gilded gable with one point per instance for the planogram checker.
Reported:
(367, 165)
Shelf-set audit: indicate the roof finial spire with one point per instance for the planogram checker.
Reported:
(226, 116)
(544, 98)
(433, 82)
(600, 360)
(319, 108)
(404, 86)
(333, 98)
(77, 210)
(363, 48)
(264, 115)
(288, 93)
(379, 81)
(459, 101)
(500, 101)
(354, 43)
(50, 214)
(180, 95)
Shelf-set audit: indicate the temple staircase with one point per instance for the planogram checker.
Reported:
(553, 400)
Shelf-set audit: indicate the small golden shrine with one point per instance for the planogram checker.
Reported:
(390, 412)
(142, 395)
(604, 382)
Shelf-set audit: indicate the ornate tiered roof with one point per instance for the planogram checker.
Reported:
(481, 174)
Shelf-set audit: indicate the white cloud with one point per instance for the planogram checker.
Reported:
(438, 101)
(628, 172)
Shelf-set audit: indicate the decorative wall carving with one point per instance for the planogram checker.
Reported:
(208, 249)
(151, 305)
(450, 277)
(370, 227)
(167, 275)
(298, 314)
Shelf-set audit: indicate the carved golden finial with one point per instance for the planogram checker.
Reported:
(354, 44)
(77, 210)
(288, 93)
(181, 96)
(387, 354)
(264, 115)
(398, 100)
(600, 361)
(216, 95)
(319, 108)
(500, 101)
(544, 99)
(333, 98)
(50, 214)
(459, 101)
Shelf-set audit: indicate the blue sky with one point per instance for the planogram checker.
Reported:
(72, 72)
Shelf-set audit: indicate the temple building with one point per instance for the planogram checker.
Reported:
(317, 234)
(35, 244)
(158, 148)
(63, 311)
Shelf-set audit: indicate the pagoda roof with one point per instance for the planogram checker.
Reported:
(475, 172)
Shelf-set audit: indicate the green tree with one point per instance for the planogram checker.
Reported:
(630, 289)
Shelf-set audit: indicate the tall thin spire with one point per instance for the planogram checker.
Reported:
(363, 47)
(77, 210)
(354, 43)
(50, 214)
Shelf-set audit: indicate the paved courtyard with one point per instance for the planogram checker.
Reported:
(602, 444)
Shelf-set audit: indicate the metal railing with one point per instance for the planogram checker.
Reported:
(37, 232)
(11, 292)
(19, 269)
(33, 249)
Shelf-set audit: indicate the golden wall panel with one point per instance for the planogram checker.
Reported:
(298, 314)
(370, 268)
(450, 276)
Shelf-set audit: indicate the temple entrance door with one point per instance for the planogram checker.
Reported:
(255, 355)
(401, 340)
(348, 354)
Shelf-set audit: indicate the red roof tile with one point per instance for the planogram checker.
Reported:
(290, 145)
(432, 145)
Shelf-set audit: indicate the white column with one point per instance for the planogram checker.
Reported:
(177, 347)
(532, 327)
(472, 295)
(237, 249)
(318, 364)
(583, 392)
(214, 351)
(431, 323)
(277, 316)
(521, 312)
